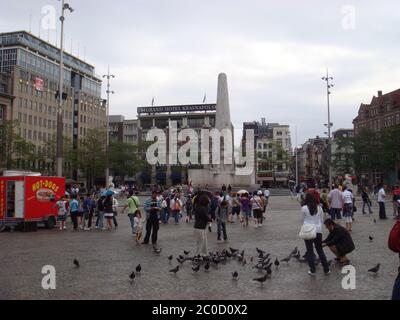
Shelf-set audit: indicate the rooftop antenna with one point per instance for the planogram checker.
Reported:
(71, 46)
(78, 50)
(84, 53)
(48, 35)
(40, 27)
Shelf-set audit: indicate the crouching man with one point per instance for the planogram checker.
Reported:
(339, 241)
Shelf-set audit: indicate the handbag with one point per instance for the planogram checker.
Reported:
(308, 232)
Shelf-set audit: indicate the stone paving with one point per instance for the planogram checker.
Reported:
(108, 257)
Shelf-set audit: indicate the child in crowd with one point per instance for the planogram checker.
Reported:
(222, 217)
(138, 228)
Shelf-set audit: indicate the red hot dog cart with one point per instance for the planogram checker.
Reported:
(28, 200)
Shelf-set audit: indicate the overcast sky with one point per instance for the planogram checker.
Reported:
(273, 52)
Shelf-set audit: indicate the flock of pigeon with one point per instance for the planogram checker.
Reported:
(263, 264)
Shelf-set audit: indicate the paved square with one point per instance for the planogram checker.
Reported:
(107, 259)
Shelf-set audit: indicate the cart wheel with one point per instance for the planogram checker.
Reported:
(50, 223)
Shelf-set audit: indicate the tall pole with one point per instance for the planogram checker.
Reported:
(108, 76)
(329, 125)
(297, 162)
(59, 149)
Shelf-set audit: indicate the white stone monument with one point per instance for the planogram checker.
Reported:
(224, 173)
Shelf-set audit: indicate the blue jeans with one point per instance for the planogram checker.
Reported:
(368, 205)
(176, 216)
(165, 215)
(221, 226)
(100, 220)
(335, 213)
(131, 217)
(317, 242)
(396, 289)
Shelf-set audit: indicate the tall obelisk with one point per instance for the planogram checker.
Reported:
(223, 119)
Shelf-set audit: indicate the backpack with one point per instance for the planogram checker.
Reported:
(177, 205)
(394, 238)
(100, 205)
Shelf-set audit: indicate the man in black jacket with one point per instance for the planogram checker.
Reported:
(339, 241)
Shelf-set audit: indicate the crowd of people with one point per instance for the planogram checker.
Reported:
(319, 208)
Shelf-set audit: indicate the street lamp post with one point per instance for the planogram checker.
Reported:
(108, 76)
(329, 125)
(297, 162)
(59, 155)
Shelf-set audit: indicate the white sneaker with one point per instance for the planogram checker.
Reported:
(256, 225)
(260, 225)
(61, 228)
(65, 228)
(311, 273)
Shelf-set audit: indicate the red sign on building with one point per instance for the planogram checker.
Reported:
(39, 83)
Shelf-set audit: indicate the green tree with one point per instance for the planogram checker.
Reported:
(16, 153)
(276, 157)
(125, 159)
(69, 155)
(91, 155)
(343, 158)
(368, 151)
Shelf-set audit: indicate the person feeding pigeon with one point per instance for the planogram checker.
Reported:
(339, 241)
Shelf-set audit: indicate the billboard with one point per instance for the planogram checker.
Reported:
(39, 84)
(181, 108)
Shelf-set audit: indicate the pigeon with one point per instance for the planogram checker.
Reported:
(233, 250)
(180, 260)
(186, 252)
(76, 263)
(195, 269)
(207, 266)
(138, 268)
(374, 220)
(287, 259)
(132, 275)
(157, 250)
(297, 255)
(295, 250)
(259, 251)
(276, 263)
(371, 238)
(269, 271)
(170, 257)
(235, 275)
(244, 262)
(375, 269)
(251, 259)
(181, 257)
(174, 270)
(262, 279)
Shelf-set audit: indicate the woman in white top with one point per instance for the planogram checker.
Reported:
(348, 211)
(311, 213)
